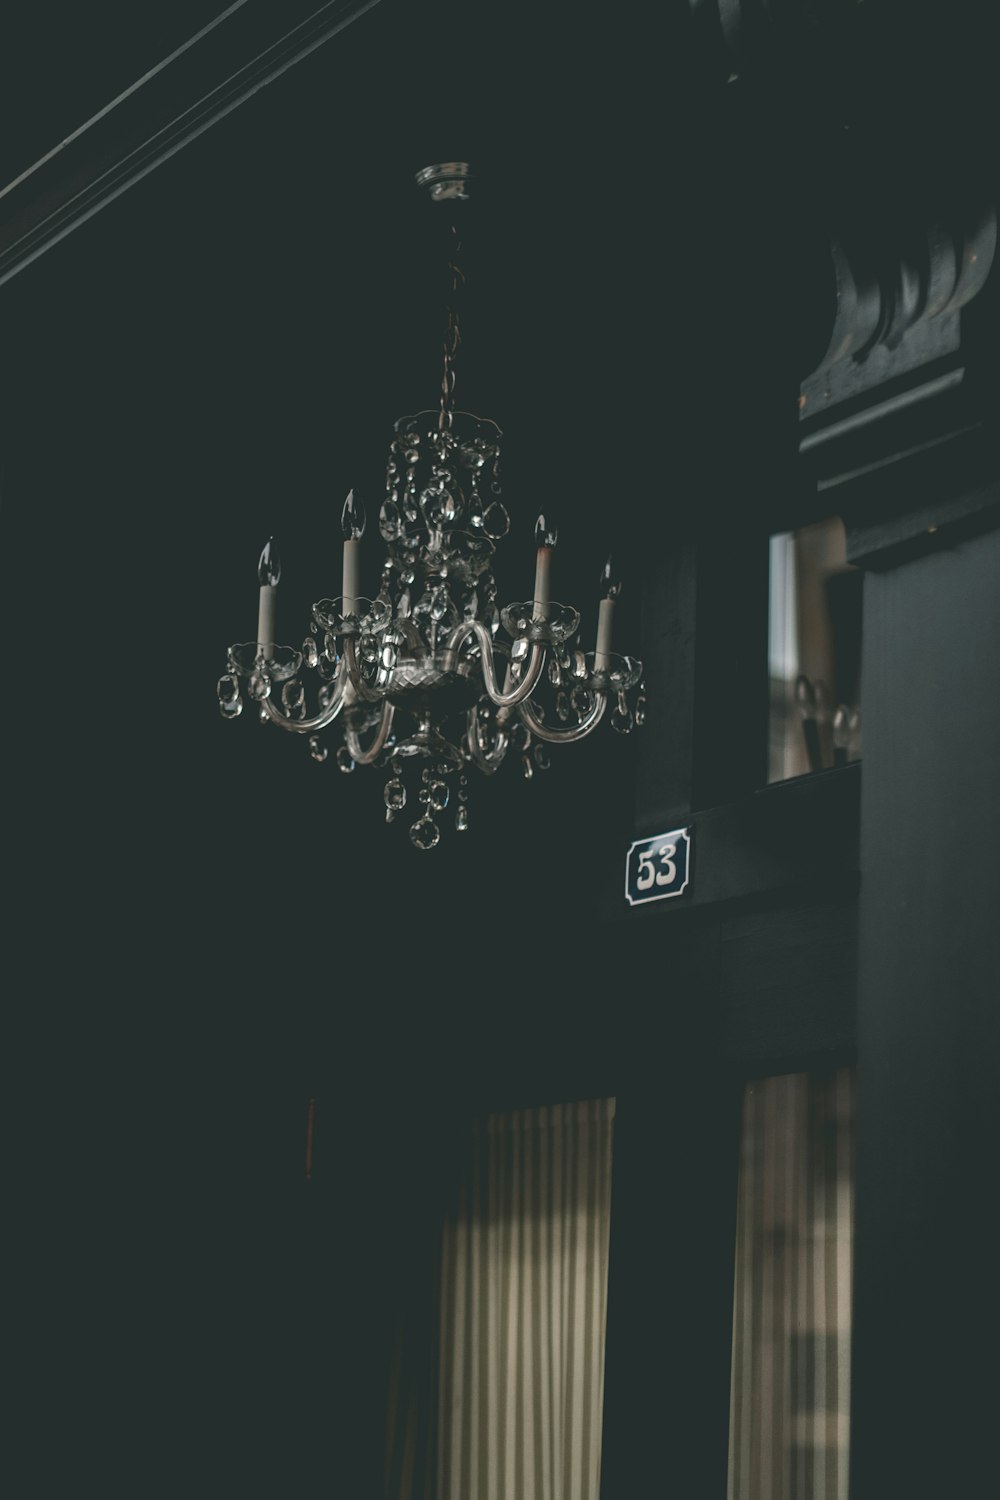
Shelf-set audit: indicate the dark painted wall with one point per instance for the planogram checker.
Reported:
(206, 928)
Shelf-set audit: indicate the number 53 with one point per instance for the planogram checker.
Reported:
(649, 875)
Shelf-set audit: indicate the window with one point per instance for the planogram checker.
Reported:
(814, 651)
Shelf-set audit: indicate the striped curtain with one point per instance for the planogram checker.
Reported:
(792, 1303)
(523, 1304)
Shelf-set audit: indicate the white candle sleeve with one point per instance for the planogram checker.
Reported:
(543, 570)
(605, 624)
(352, 575)
(265, 619)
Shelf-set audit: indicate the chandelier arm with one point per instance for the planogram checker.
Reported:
(365, 757)
(532, 671)
(564, 736)
(308, 726)
(485, 760)
(361, 688)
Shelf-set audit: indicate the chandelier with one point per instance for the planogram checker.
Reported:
(430, 679)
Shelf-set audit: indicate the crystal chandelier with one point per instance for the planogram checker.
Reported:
(420, 678)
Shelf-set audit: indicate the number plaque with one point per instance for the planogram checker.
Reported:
(658, 868)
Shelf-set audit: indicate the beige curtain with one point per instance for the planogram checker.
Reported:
(792, 1304)
(523, 1304)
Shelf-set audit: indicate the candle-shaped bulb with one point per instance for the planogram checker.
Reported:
(610, 589)
(352, 517)
(546, 532)
(269, 567)
(611, 584)
(268, 573)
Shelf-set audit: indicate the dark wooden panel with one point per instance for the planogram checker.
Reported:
(929, 1044)
(672, 1236)
(788, 985)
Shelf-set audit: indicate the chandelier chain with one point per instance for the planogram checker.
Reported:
(452, 332)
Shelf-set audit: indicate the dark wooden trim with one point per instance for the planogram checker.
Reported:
(937, 496)
(787, 838)
(222, 66)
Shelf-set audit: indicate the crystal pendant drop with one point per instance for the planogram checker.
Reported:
(562, 707)
(496, 521)
(542, 758)
(425, 833)
(437, 795)
(438, 503)
(462, 819)
(621, 719)
(395, 794)
(293, 698)
(230, 702)
(345, 761)
(389, 521)
(259, 686)
(317, 749)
